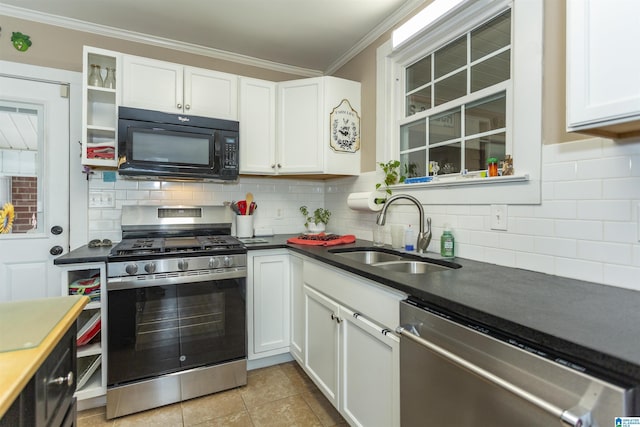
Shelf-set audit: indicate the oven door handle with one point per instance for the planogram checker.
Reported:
(144, 281)
(576, 416)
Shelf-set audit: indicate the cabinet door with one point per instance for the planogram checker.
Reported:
(297, 309)
(257, 126)
(300, 108)
(596, 96)
(210, 93)
(370, 371)
(271, 305)
(322, 344)
(152, 85)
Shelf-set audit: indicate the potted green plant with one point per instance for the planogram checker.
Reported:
(317, 222)
(392, 176)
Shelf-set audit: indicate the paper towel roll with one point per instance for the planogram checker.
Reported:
(365, 201)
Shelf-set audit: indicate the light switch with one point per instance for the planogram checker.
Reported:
(499, 217)
(102, 199)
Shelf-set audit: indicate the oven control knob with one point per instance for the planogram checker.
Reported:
(131, 268)
(183, 264)
(214, 262)
(227, 261)
(150, 267)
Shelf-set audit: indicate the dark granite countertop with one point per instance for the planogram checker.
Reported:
(592, 325)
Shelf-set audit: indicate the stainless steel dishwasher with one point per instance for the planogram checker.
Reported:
(456, 373)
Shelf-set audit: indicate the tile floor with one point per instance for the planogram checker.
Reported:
(280, 395)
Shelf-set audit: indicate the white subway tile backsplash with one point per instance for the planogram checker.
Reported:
(622, 276)
(579, 269)
(556, 247)
(585, 227)
(610, 253)
(622, 188)
(622, 232)
(606, 210)
(578, 229)
(535, 262)
(608, 167)
(578, 190)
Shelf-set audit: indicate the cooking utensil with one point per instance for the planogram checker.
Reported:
(234, 207)
(249, 200)
(242, 206)
(252, 207)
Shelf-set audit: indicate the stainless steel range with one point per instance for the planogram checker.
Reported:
(176, 307)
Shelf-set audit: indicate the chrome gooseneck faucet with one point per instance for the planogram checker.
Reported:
(424, 237)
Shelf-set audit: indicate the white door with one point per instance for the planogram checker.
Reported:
(322, 342)
(210, 93)
(34, 186)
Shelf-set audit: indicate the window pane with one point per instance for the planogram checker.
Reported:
(444, 127)
(485, 115)
(413, 135)
(414, 163)
(447, 157)
(491, 36)
(491, 71)
(418, 74)
(451, 88)
(418, 101)
(20, 167)
(478, 150)
(451, 57)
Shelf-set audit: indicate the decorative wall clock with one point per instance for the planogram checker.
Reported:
(345, 128)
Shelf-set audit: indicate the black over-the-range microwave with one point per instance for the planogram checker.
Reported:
(152, 144)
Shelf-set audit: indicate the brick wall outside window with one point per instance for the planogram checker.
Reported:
(24, 196)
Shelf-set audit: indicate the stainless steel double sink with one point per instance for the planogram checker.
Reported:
(399, 262)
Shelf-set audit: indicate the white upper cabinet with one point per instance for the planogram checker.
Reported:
(257, 126)
(316, 130)
(174, 88)
(603, 87)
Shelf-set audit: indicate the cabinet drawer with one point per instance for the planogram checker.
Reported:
(364, 296)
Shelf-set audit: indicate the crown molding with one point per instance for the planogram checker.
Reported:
(103, 30)
(389, 23)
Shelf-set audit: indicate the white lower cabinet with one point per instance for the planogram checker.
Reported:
(351, 352)
(322, 343)
(370, 369)
(268, 302)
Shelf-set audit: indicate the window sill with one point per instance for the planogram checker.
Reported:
(462, 181)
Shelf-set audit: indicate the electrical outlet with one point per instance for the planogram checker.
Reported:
(279, 213)
(102, 199)
(499, 217)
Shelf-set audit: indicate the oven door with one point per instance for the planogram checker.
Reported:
(156, 330)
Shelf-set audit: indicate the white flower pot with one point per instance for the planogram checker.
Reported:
(316, 228)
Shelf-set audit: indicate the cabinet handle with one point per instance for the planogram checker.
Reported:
(273, 166)
(279, 165)
(187, 106)
(179, 106)
(336, 318)
(61, 380)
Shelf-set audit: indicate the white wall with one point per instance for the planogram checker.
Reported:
(585, 228)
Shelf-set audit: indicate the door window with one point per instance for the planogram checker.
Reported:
(21, 142)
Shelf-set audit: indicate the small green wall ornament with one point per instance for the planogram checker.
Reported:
(20, 41)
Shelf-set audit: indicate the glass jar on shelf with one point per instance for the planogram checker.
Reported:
(110, 79)
(95, 76)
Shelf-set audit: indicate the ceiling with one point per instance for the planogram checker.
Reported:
(318, 35)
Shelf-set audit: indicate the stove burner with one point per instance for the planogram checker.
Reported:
(160, 245)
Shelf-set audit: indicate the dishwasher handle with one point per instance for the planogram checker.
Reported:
(575, 417)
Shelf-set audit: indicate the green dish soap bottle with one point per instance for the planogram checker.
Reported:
(447, 243)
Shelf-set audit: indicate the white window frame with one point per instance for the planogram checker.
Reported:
(525, 109)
